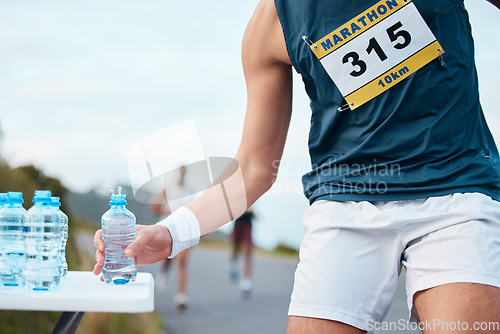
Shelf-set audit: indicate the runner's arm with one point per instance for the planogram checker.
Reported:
(268, 77)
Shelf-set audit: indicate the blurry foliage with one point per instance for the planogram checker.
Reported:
(27, 179)
(284, 249)
(11, 180)
(27, 322)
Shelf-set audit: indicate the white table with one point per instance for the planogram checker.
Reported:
(82, 292)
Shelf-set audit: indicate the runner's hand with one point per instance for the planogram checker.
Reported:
(152, 244)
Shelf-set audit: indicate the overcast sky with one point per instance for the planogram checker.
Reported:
(80, 82)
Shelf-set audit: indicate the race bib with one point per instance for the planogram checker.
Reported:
(376, 50)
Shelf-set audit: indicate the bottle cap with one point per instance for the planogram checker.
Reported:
(3, 198)
(55, 202)
(15, 197)
(42, 196)
(118, 199)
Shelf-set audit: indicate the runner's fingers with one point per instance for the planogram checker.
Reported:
(97, 269)
(98, 243)
(136, 247)
(99, 257)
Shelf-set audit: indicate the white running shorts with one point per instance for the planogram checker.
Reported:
(352, 253)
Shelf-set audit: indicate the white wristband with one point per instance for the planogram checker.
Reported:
(184, 229)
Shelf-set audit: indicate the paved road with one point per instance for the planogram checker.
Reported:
(216, 306)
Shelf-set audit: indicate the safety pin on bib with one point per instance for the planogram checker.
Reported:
(309, 42)
(345, 107)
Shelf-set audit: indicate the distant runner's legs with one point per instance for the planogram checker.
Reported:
(181, 298)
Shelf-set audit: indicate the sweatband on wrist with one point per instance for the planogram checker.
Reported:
(184, 229)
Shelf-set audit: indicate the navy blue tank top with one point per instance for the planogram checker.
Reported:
(426, 136)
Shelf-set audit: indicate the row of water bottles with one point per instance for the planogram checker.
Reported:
(32, 242)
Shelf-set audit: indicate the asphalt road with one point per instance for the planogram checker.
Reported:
(217, 307)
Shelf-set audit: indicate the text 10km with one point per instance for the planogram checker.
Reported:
(373, 45)
(393, 76)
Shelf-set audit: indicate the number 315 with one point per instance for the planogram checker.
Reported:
(393, 33)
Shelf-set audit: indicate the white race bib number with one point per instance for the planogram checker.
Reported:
(376, 50)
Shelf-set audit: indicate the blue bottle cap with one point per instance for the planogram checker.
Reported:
(117, 199)
(3, 198)
(42, 196)
(15, 197)
(55, 202)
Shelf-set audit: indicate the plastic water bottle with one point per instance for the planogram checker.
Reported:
(12, 243)
(61, 259)
(3, 200)
(3, 204)
(118, 231)
(42, 240)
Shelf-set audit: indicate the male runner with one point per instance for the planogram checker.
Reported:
(404, 171)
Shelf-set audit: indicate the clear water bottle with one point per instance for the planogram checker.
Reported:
(61, 259)
(3, 204)
(42, 241)
(12, 243)
(118, 231)
(3, 200)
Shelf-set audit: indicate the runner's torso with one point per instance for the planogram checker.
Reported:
(425, 136)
